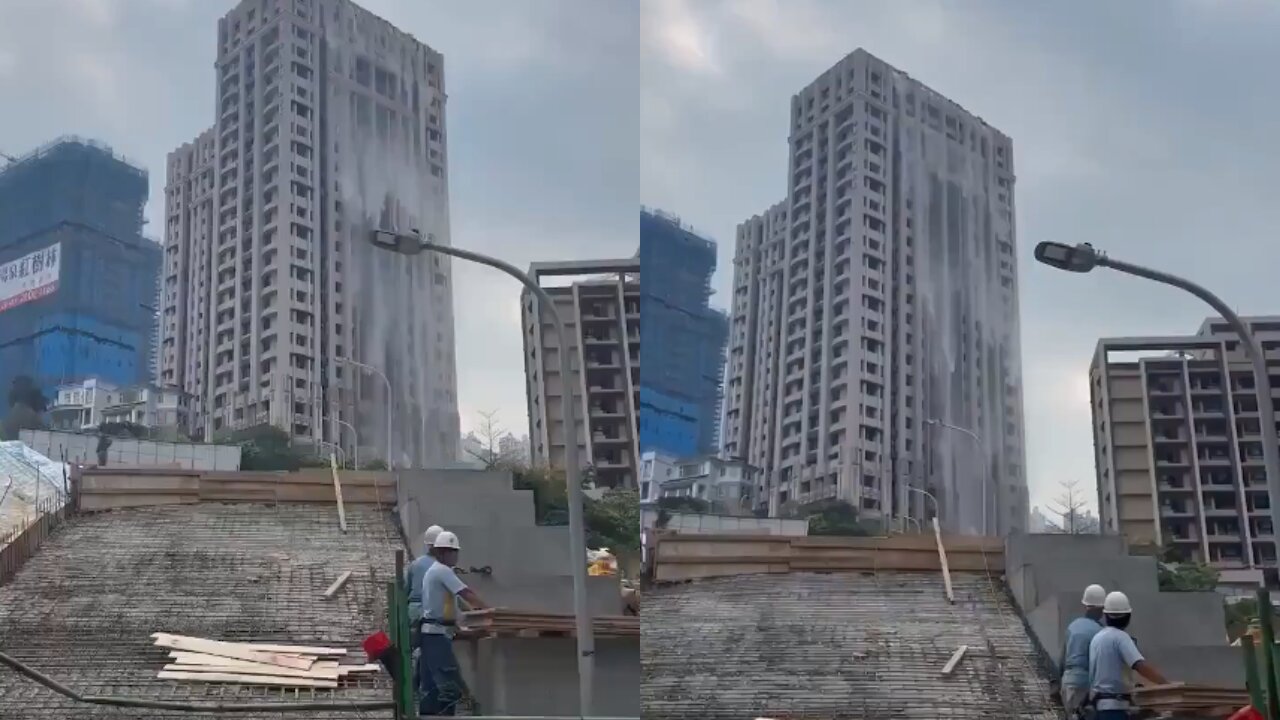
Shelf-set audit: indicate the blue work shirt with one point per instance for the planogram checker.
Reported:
(1075, 658)
(440, 588)
(1112, 655)
(413, 576)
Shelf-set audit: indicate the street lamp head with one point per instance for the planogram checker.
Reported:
(1081, 258)
(396, 242)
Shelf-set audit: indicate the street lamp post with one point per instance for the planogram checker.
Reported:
(414, 244)
(354, 434)
(1083, 258)
(982, 453)
(379, 373)
(926, 494)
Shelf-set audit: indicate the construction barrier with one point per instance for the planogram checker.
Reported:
(23, 541)
(111, 488)
(691, 557)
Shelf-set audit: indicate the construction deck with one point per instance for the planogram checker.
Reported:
(838, 646)
(83, 609)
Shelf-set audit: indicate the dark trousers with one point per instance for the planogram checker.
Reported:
(1112, 715)
(440, 678)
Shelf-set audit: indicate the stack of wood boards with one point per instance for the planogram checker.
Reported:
(193, 659)
(113, 488)
(503, 621)
(695, 556)
(1194, 700)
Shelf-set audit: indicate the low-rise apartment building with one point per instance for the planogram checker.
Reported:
(1178, 443)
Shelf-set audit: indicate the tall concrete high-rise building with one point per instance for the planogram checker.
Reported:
(1178, 443)
(874, 341)
(599, 301)
(330, 122)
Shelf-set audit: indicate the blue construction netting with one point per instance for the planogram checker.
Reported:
(682, 356)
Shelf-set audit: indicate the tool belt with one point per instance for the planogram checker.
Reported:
(437, 623)
(1094, 697)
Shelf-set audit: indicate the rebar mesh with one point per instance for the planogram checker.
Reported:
(838, 646)
(83, 609)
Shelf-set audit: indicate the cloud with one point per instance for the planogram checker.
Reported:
(675, 34)
(1148, 131)
(543, 120)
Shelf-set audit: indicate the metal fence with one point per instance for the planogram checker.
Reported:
(83, 449)
(21, 543)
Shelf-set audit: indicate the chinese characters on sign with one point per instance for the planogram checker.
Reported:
(30, 277)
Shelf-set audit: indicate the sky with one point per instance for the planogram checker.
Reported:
(542, 120)
(1145, 127)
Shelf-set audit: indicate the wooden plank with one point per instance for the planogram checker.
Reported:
(94, 503)
(320, 672)
(955, 660)
(187, 658)
(337, 493)
(942, 560)
(337, 584)
(140, 485)
(344, 670)
(243, 679)
(231, 650)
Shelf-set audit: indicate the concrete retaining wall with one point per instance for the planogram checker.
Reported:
(527, 676)
(531, 569)
(1182, 633)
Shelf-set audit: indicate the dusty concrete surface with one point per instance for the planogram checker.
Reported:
(84, 606)
(838, 646)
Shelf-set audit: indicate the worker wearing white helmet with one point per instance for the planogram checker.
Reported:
(413, 575)
(1074, 661)
(417, 570)
(1112, 655)
(441, 588)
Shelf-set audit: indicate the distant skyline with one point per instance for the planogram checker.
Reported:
(535, 173)
(1143, 127)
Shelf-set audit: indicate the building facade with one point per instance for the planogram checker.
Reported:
(599, 301)
(1178, 443)
(86, 405)
(77, 276)
(330, 123)
(680, 386)
(874, 339)
(726, 486)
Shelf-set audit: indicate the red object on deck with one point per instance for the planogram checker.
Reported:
(376, 645)
(1247, 713)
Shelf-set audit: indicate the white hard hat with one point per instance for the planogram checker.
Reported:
(431, 534)
(447, 540)
(1117, 603)
(1094, 596)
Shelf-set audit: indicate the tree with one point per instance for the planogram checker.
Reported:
(1177, 572)
(1072, 507)
(125, 429)
(20, 417)
(613, 522)
(835, 517)
(668, 505)
(24, 391)
(488, 436)
(266, 447)
(1242, 614)
(550, 496)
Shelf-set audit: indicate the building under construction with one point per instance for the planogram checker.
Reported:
(77, 275)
